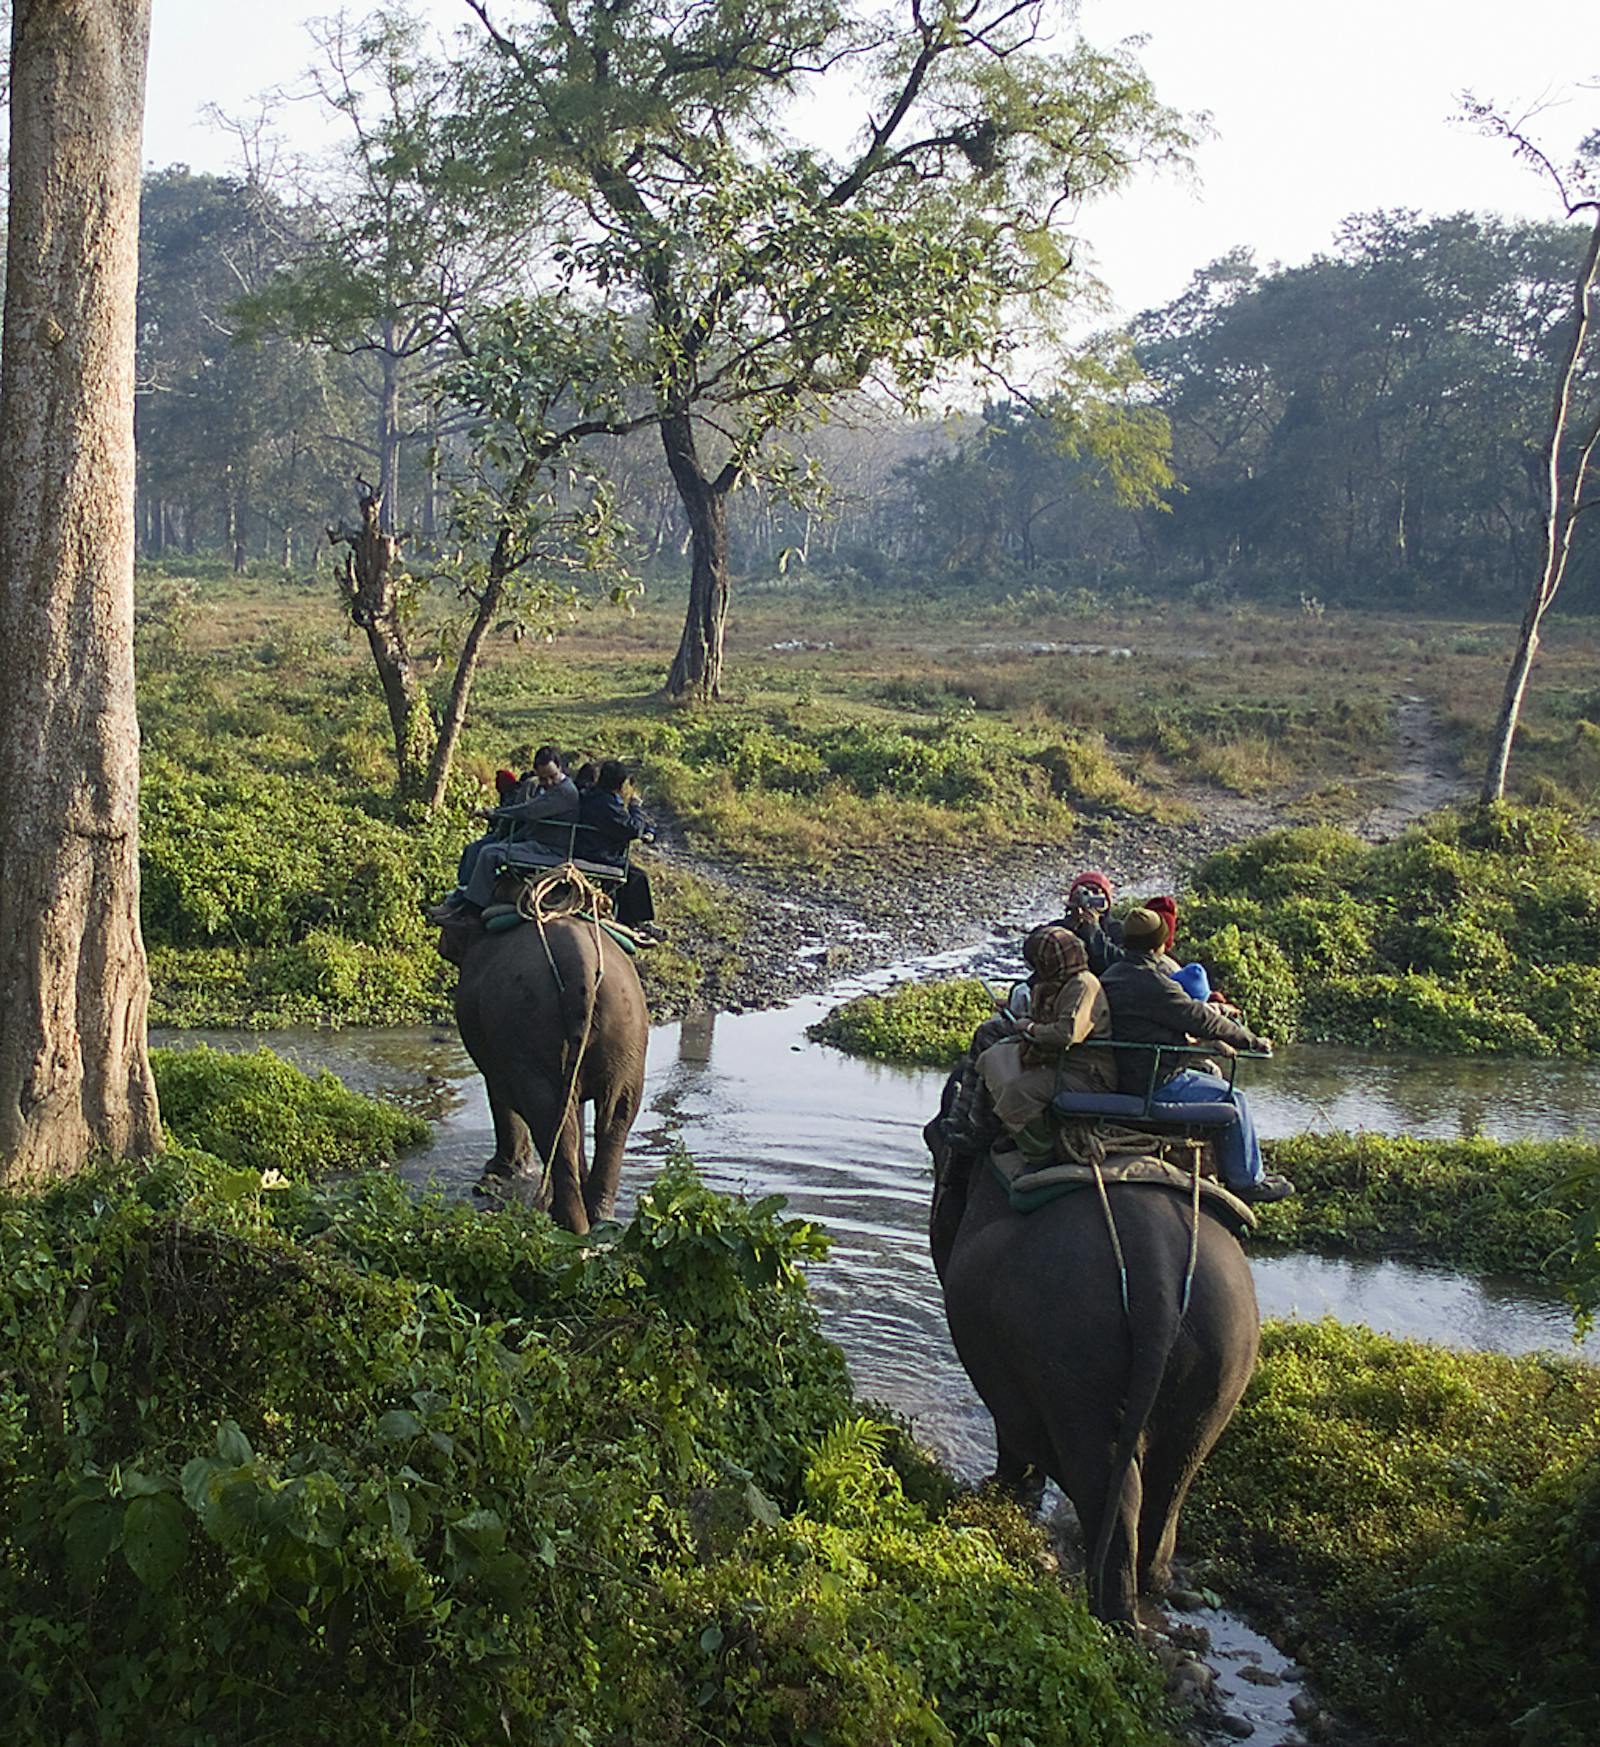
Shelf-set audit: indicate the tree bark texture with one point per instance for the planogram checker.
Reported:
(1563, 501)
(369, 582)
(74, 1073)
(697, 667)
(454, 718)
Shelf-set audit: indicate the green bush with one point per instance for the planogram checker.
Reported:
(1422, 1529)
(1471, 934)
(1490, 1206)
(315, 1463)
(920, 1024)
(262, 1111)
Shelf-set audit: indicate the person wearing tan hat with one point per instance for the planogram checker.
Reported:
(1149, 1007)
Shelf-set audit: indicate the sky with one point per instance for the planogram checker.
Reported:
(1316, 112)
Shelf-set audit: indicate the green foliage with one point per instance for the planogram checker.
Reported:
(919, 1024)
(1423, 1527)
(1469, 934)
(1494, 1207)
(327, 1464)
(263, 1111)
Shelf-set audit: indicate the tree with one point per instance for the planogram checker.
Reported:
(1353, 425)
(74, 1073)
(238, 444)
(1571, 480)
(536, 382)
(770, 280)
(395, 255)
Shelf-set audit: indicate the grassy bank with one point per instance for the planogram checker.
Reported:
(1472, 934)
(297, 1462)
(1485, 1206)
(859, 739)
(1420, 1528)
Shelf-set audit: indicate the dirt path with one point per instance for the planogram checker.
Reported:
(1425, 778)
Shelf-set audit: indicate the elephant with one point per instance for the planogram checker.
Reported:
(554, 1018)
(1119, 1409)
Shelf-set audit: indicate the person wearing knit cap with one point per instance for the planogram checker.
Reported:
(1168, 908)
(1023, 1073)
(1149, 1007)
(1088, 915)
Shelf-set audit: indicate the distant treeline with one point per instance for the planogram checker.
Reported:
(1362, 428)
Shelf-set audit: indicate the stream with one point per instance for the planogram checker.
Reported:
(763, 1111)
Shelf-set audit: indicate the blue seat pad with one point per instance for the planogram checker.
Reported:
(1129, 1109)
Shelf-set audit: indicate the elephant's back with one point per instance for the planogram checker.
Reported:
(1064, 1261)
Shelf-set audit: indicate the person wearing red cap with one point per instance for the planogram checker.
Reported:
(1088, 915)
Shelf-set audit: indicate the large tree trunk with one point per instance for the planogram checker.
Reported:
(369, 582)
(697, 667)
(388, 430)
(74, 1073)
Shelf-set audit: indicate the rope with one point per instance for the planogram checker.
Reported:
(1111, 1228)
(1194, 1232)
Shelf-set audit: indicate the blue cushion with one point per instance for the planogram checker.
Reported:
(1099, 1104)
(1208, 1115)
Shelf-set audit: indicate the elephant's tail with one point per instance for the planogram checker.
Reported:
(1147, 1369)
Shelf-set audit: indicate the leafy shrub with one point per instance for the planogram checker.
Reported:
(1491, 1206)
(1472, 933)
(1422, 1528)
(926, 1024)
(317, 1463)
(260, 1110)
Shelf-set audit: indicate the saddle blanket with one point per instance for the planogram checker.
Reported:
(1030, 1189)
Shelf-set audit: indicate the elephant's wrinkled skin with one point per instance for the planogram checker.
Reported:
(530, 1033)
(1119, 1411)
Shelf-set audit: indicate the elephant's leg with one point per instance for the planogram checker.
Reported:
(613, 1118)
(1081, 1472)
(513, 1145)
(567, 1171)
(1016, 1475)
(1168, 1474)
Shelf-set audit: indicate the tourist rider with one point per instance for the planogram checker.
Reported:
(1046, 1055)
(1088, 915)
(615, 819)
(1149, 1007)
(549, 798)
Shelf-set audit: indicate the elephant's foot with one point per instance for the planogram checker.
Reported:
(513, 1180)
(1022, 1484)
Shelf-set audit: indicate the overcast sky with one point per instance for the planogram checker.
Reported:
(1317, 112)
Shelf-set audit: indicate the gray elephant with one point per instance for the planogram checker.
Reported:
(554, 1023)
(1118, 1409)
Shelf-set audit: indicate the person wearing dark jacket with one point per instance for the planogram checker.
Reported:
(1148, 1007)
(548, 798)
(614, 823)
(1088, 915)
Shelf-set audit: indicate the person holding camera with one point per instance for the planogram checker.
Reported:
(1088, 915)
